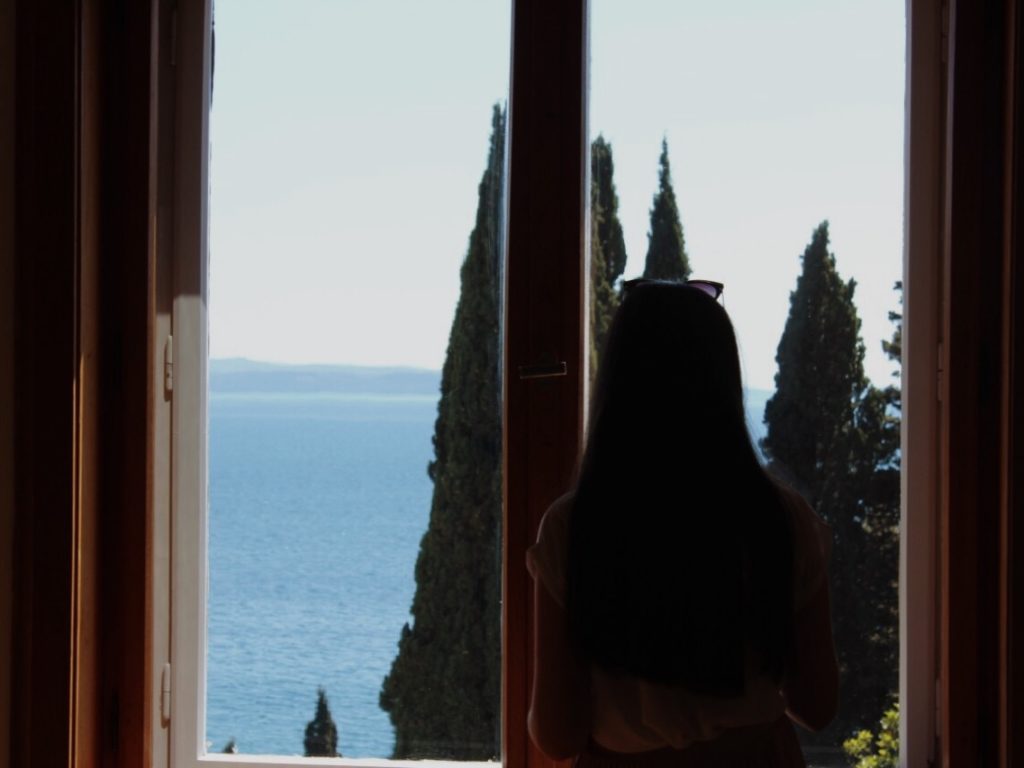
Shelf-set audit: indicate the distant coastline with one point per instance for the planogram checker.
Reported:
(240, 375)
(237, 375)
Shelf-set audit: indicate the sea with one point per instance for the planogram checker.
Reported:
(317, 504)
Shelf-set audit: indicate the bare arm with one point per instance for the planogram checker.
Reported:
(559, 719)
(811, 684)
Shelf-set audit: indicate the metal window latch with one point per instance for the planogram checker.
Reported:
(169, 364)
(543, 370)
(165, 693)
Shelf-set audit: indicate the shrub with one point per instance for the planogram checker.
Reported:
(867, 750)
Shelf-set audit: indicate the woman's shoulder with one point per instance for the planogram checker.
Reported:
(804, 519)
(794, 501)
(554, 525)
(560, 509)
(812, 543)
(546, 559)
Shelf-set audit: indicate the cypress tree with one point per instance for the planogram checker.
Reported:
(609, 228)
(830, 435)
(321, 738)
(601, 294)
(443, 691)
(607, 247)
(666, 249)
(820, 376)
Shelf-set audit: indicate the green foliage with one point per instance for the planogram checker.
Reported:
(894, 350)
(321, 738)
(609, 229)
(666, 249)
(894, 347)
(820, 376)
(443, 690)
(836, 439)
(879, 430)
(607, 247)
(882, 750)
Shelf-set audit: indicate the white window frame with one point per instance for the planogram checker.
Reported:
(193, 57)
(180, 596)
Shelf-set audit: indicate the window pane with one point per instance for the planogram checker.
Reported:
(357, 187)
(760, 145)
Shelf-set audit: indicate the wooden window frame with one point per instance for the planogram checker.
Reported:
(920, 426)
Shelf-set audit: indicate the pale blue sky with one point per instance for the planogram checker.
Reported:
(349, 137)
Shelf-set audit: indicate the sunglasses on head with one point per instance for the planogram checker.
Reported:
(710, 287)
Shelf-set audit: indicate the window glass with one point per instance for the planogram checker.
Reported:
(760, 145)
(356, 256)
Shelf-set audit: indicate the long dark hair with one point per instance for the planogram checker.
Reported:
(680, 550)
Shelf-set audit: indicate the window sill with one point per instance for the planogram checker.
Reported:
(283, 761)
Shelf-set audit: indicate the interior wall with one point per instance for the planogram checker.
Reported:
(6, 362)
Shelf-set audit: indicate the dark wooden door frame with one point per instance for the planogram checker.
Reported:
(83, 264)
(47, 44)
(1012, 523)
(980, 571)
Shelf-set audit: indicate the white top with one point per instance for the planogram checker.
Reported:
(635, 715)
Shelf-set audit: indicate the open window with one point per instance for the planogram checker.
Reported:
(201, 401)
(546, 354)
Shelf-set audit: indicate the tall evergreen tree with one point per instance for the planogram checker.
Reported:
(321, 739)
(443, 691)
(602, 295)
(666, 249)
(820, 376)
(609, 228)
(607, 247)
(830, 435)
(878, 456)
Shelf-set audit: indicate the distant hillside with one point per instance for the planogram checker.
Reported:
(755, 402)
(238, 374)
(241, 375)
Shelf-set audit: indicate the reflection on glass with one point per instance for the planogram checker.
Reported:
(761, 146)
(354, 413)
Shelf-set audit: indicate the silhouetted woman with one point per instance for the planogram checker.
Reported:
(682, 608)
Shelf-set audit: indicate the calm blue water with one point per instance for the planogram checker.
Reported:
(317, 506)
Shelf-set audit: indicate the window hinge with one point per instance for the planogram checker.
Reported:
(169, 364)
(165, 693)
